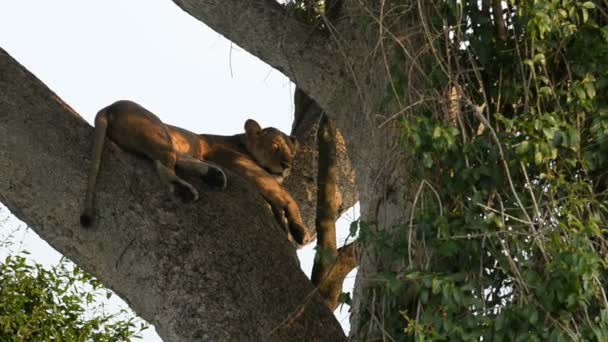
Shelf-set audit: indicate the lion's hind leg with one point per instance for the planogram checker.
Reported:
(177, 186)
(210, 172)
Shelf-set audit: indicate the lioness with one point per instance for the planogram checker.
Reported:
(261, 156)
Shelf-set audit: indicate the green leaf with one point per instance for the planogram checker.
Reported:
(458, 296)
(585, 14)
(437, 132)
(533, 318)
(424, 296)
(538, 157)
(580, 93)
(345, 298)
(354, 228)
(590, 89)
(589, 5)
(540, 58)
(545, 91)
(427, 160)
(523, 147)
(436, 286)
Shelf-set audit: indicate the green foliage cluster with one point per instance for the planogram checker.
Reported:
(507, 240)
(307, 11)
(56, 304)
(316, 13)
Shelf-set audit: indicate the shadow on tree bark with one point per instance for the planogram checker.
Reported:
(326, 195)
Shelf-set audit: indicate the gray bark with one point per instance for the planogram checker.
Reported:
(219, 270)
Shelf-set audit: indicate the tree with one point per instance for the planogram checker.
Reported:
(56, 303)
(430, 98)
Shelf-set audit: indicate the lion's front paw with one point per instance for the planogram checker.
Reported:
(301, 234)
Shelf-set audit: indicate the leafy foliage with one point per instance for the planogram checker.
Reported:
(507, 236)
(56, 304)
(307, 11)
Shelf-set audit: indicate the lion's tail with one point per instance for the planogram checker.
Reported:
(101, 124)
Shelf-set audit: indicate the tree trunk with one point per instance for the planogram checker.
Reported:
(220, 269)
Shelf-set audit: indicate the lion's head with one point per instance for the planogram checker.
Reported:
(271, 148)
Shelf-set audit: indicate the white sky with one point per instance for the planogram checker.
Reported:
(92, 53)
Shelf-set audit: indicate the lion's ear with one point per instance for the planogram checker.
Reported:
(252, 128)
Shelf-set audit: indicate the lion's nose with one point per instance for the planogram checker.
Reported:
(286, 165)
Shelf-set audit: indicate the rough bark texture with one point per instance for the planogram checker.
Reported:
(325, 194)
(331, 276)
(327, 210)
(302, 184)
(217, 270)
(265, 29)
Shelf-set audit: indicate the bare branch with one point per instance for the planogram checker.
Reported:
(330, 286)
(499, 21)
(331, 265)
(328, 200)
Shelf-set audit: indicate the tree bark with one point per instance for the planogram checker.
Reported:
(220, 269)
(302, 184)
(332, 265)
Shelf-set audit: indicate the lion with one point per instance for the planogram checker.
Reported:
(262, 156)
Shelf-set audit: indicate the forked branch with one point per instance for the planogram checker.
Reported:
(331, 264)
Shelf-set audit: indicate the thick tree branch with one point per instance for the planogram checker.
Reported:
(330, 286)
(327, 202)
(328, 272)
(266, 30)
(219, 269)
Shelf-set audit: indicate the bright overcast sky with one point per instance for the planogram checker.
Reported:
(92, 53)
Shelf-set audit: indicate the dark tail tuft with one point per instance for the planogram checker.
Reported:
(86, 219)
